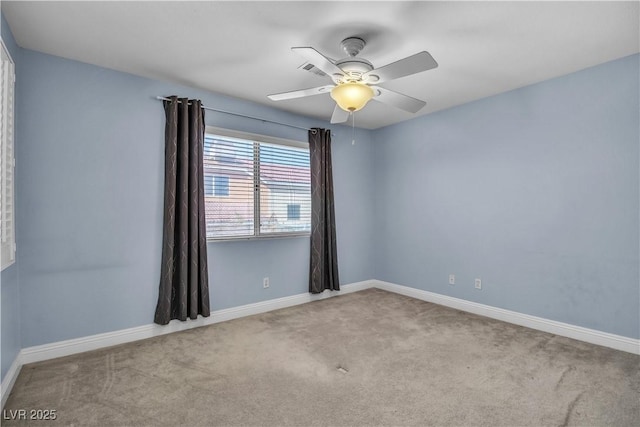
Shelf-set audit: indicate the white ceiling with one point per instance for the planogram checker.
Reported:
(242, 49)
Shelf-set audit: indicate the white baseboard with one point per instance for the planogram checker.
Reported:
(592, 336)
(93, 342)
(10, 378)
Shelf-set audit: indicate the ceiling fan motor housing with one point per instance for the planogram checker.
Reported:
(353, 67)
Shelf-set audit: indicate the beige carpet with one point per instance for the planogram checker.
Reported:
(367, 358)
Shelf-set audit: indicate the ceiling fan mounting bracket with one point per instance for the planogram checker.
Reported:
(353, 45)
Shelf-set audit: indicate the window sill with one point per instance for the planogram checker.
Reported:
(261, 237)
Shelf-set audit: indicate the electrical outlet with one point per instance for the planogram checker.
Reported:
(478, 284)
(452, 279)
(265, 282)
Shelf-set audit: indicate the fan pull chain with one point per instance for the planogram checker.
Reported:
(353, 128)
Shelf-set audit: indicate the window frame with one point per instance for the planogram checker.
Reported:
(254, 137)
(7, 163)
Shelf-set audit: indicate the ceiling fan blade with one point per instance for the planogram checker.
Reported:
(319, 60)
(398, 100)
(300, 93)
(417, 63)
(339, 115)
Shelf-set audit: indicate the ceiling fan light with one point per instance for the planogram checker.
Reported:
(352, 96)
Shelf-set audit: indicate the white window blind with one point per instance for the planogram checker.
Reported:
(7, 160)
(264, 179)
(284, 180)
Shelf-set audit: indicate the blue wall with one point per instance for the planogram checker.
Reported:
(534, 191)
(90, 186)
(9, 291)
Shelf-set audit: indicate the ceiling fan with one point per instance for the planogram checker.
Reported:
(355, 79)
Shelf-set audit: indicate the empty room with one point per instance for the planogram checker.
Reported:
(288, 213)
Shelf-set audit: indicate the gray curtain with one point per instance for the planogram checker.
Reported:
(184, 284)
(323, 272)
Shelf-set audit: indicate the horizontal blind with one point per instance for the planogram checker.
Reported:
(285, 189)
(7, 211)
(255, 188)
(228, 208)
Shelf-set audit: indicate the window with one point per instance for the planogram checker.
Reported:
(265, 182)
(208, 184)
(216, 185)
(7, 161)
(293, 212)
(220, 186)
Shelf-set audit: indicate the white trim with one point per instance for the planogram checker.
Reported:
(7, 161)
(10, 378)
(93, 342)
(592, 336)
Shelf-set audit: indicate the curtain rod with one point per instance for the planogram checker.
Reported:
(162, 98)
